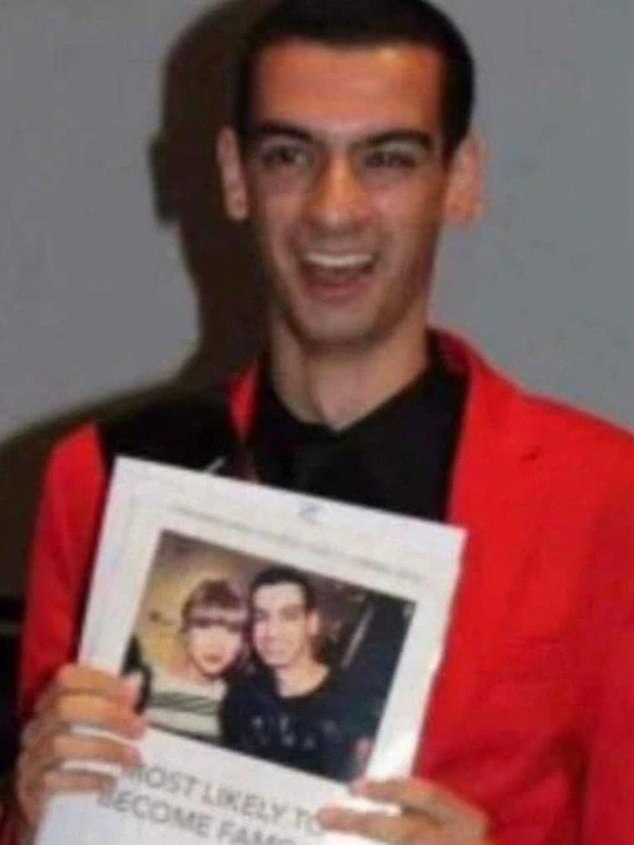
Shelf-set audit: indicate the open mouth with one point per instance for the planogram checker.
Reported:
(336, 276)
(352, 262)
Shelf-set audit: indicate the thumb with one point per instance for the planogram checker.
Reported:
(133, 684)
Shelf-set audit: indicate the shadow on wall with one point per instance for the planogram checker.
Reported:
(218, 257)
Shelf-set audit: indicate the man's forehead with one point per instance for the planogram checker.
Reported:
(315, 85)
(281, 594)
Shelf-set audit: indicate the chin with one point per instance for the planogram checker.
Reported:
(333, 334)
(329, 326)
(271, 661)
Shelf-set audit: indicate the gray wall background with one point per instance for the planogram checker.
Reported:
(95, 300)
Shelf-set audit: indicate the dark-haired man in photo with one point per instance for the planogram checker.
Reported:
(293, 710)
(350, 150)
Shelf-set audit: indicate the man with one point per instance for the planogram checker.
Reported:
(350, 151)
(293, 711)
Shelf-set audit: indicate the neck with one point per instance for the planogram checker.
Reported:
(339, 387)
(301, 678)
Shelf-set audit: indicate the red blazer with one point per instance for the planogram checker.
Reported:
(532, 714)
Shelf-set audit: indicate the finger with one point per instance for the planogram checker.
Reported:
(87, 710)
(382, 827)
(84, 679)
(33, 792)
(133, 683)
(421, 796)
(58, 781)
(55, 750)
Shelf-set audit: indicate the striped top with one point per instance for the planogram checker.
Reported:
(185, 707)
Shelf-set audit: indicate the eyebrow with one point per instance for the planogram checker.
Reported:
(401, 136)
(270, 129)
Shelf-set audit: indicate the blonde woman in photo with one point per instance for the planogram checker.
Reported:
(185, 698)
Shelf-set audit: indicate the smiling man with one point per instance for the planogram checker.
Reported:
(285, 624)
(350, 150)
(292, 709)
(347, 194)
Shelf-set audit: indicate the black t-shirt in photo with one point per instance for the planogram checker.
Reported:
(319, 732)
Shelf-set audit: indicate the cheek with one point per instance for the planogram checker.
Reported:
(232, 646)
(193, 642)
(296, 631)
(412, 206)
(274, 220)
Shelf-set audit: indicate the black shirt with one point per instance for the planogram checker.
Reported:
(318, 732)
(398, 458)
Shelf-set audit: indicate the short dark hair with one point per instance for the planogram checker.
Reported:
(274, 575)
(363, 23)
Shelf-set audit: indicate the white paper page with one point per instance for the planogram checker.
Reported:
(397, 558)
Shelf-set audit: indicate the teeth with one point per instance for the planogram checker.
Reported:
(338, 262)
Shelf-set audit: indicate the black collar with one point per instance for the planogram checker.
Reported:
(398, 458)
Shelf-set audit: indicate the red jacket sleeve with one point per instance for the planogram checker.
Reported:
(609, 805)
(61, 559)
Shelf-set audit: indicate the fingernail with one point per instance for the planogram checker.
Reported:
(133, 726)
(107, 788)
(133, 758)
(132, 687)
(139, 725)
(358, 787)
(326, 815)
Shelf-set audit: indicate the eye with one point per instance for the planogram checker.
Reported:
(391, 159)
(284, 156)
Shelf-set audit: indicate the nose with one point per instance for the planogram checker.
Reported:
(272, 629)
(337, 201)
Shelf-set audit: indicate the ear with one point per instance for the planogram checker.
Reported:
(232, 175)
(464, 200)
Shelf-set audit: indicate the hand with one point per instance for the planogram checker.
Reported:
(429, 815)
(82, 696)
